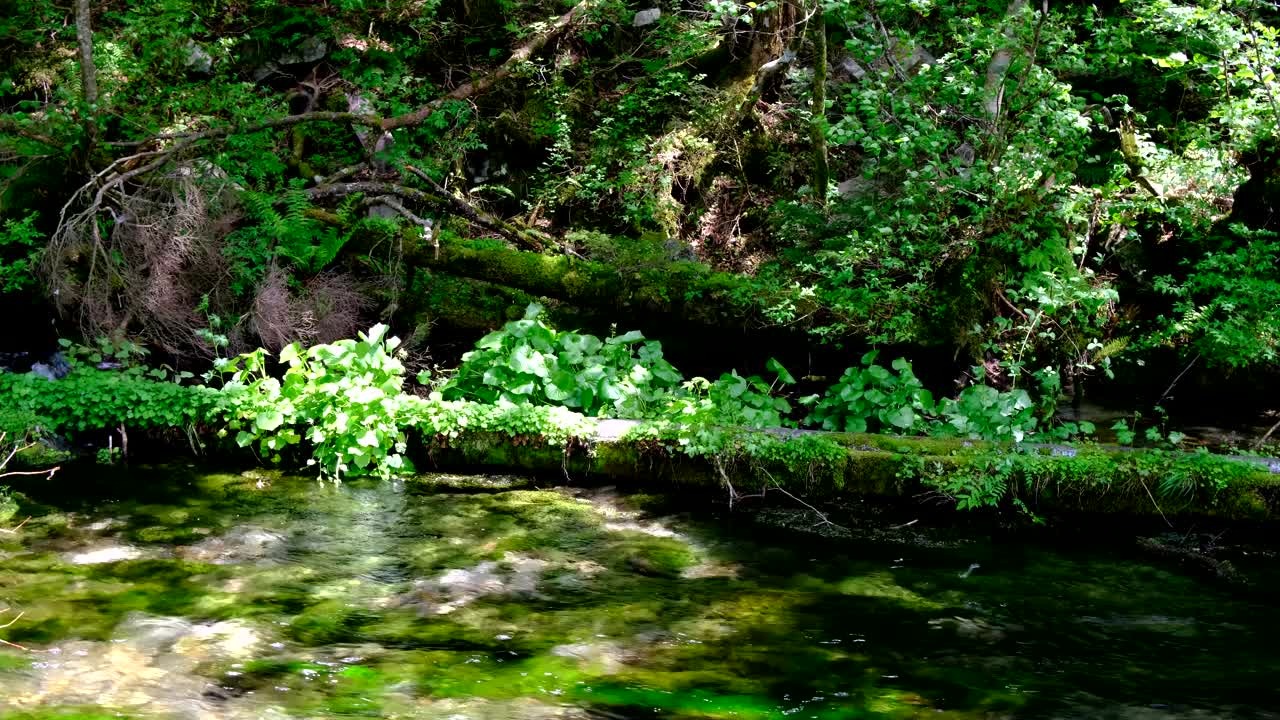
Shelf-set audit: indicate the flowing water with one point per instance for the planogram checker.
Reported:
(185, 594)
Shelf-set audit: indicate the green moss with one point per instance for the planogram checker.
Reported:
(11, 660)
(328, 622)
(652, 556)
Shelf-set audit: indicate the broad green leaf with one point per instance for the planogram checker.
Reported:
(529, 361)
(268, 420)
(492, 341)
(783, 376)
(902, 417)
(633, 336)
(290, 355)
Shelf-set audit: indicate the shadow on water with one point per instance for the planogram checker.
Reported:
(174, 592)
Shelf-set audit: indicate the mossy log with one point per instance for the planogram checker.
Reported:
(682, 292)
(1059, 480)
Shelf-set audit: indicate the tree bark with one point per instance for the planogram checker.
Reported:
(88, 73)
(818, 110)
(998, 67)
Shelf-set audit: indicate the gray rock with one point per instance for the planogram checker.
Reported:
(646, 17)
(310, 49)
(55, 369)
(852, 68)
(239, 544)
(105, 554)
(198, 59)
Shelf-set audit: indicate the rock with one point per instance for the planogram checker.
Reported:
(198, 59)
(151, 634)
(309, 50)
(852, 68)
(515, 575)
(609, 657)
(108, 554)
(646, 17)
(55, 369)
(854, 187)
(239, 544)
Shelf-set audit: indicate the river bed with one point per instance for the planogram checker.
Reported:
(200, 595)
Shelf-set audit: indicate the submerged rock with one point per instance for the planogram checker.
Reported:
(239, 544)
(105, 554)
(608, 657)
(149, 668)
(514, 575)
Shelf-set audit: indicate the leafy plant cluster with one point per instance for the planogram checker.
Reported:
(343, 408)
(345, 399)
(529, 362)
(108, 388)
(974, 480)
(875, 398)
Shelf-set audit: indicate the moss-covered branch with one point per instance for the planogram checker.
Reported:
(685, 291)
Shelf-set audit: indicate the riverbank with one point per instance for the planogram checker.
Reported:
(1059, 480)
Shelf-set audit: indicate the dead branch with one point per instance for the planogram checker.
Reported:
(1267, 436)
(523, 236)
(10, 126)
(394, 204)
(521, 54)
(8, 625)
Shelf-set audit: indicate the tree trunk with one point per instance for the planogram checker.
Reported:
(818, 109)
(88, 74)
(998, 68)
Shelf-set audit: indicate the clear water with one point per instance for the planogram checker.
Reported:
(191, 595)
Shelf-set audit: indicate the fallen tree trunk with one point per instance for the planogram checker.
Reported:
(686, 293)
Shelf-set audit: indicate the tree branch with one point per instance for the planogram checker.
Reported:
(521, 54)
(531, 239)
(446, 203)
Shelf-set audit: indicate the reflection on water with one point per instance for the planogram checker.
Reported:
(239, 596)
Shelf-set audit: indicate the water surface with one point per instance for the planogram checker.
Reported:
(201, 595)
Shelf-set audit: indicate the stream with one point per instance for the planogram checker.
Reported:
(182, 593)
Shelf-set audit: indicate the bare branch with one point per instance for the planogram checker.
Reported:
(522, 236)
(521, 54)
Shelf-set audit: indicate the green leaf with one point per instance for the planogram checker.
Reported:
(268, 420)
(528, 361)
(903, 417)
(629, 338)
(783, 376)
(291, 354)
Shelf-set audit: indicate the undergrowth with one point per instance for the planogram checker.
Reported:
(346, 408)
